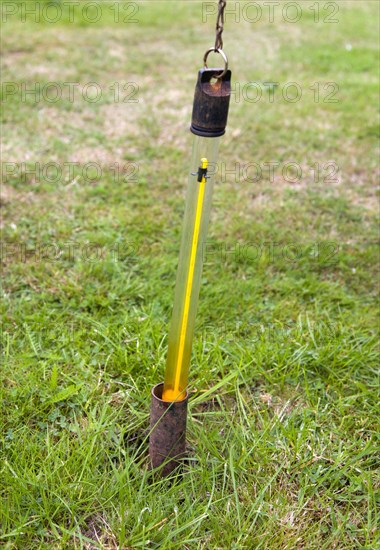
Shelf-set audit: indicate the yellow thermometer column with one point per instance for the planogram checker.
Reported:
(197, 214)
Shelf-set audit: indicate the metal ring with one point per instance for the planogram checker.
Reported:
(221, 52)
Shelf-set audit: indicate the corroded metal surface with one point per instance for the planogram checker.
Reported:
(167, 443)
(211, 103)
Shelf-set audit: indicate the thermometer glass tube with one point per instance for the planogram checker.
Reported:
(196, 219)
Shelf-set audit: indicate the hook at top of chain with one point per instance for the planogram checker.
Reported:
(220, 25)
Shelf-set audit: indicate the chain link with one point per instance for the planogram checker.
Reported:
(220, 25)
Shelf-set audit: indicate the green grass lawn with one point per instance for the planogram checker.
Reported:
(283, 431)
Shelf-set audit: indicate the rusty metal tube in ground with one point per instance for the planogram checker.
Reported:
(167, 442)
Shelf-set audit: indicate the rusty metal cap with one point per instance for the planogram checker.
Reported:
(211, 103)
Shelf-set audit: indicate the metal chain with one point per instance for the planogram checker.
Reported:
(220, 25)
